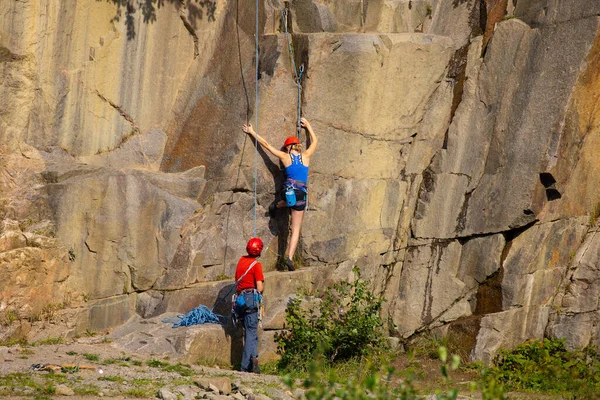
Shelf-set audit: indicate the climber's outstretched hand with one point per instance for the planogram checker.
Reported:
(248, 129)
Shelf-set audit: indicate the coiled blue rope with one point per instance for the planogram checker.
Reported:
(199, 315)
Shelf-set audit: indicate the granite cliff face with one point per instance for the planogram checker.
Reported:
(456, 165)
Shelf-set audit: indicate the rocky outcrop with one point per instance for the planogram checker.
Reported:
(455, 168)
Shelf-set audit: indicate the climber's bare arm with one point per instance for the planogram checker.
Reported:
(277, 153)
(313, 138)
(260, 286)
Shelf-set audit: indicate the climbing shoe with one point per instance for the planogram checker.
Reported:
(290, 265)
(255, 367)
(272, 210)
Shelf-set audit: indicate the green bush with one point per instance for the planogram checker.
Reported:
(547, 366)
(374, 378)
(347, 324)
(373, 381)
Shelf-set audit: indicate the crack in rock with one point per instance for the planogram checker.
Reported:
(192, 32)
(120, 110)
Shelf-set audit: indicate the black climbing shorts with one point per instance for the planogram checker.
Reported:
(300, 199)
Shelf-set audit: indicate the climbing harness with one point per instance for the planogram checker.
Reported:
(239, 306)
(290, 186)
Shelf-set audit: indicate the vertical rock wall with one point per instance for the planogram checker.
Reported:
(455, 167)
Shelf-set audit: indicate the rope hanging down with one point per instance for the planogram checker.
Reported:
(202, 314)
(298, 72)
(256, 115)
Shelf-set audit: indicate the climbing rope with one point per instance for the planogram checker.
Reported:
(202, 314)
(298, 72)
(199, 315)
(256, 116)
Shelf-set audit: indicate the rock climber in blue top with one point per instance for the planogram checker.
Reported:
(296, 164)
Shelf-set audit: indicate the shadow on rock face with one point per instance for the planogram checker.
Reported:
(223, 306)
(196, 11)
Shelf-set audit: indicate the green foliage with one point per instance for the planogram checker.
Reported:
(12, 341)
(86, 390)
(490, 387)
(112, 378)
(429, 11)
(70, 370)
(10, 316)
(91, 357)
(445, 368)
(156, 363)
(546, 366)
(347, 324)
(181, 369)
(121, 361)
(51, 340)
(141, 393)
(373, 381)
(90, 333)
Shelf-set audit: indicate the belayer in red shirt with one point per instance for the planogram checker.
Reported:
(248, 301)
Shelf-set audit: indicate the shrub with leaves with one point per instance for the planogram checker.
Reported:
(547, 366)
(372, 381)
(346, 324)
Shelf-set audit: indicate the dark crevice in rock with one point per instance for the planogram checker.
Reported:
(87, 246)
(389, 274)
(445, 143)
(461, 220)
(553, 194)
(512, 234)
(489, 294)
(268, 56)
(483, 19)
(463, 334)
(433, 268)
(547, 179)
(120, 110)
(192, 33)
(300, 45)
(549, 183)
(457, 72)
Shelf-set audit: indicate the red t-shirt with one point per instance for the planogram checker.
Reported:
(255, 274)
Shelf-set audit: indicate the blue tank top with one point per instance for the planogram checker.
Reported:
(297, 171)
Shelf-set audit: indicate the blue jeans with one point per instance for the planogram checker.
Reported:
(250, 320)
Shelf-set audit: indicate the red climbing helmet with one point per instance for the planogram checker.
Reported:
(254, 247)
(291, 140)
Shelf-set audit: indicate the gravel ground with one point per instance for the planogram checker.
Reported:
(106, 372)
